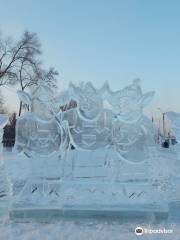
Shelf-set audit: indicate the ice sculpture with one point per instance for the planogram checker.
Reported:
(107, 140)
(43, 137)
(99, 150)
(89, 122)
(113, 144)
(132, 131)
(39, 132)
(90, 127)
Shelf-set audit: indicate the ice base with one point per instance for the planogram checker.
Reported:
(75, 199)
(87, 197)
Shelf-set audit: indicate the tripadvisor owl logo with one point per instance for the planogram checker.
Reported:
(139, 231)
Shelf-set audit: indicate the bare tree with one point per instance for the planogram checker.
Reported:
(20, 64)
(13, 55)
(27, 63)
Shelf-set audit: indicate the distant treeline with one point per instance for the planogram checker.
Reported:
(10, 132)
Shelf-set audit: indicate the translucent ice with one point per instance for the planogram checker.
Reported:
(40, 134)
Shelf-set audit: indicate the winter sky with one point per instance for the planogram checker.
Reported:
(98, 40)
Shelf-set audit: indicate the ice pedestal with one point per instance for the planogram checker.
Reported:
(115, 199)
(94, 184)
(103, 191)
(42, 188)
(92, 199)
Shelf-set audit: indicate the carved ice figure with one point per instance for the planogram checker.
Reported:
(40, 134)
(89, 123)
(90, 126)
(132, 131)
(110, 146)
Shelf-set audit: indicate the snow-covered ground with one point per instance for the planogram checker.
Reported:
(77, 229)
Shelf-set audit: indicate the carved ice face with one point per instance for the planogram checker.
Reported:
(41, 102)
(88, 99)
(41, 109)
(127, 108)
(128, 103)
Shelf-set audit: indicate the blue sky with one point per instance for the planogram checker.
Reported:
(98, 40)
